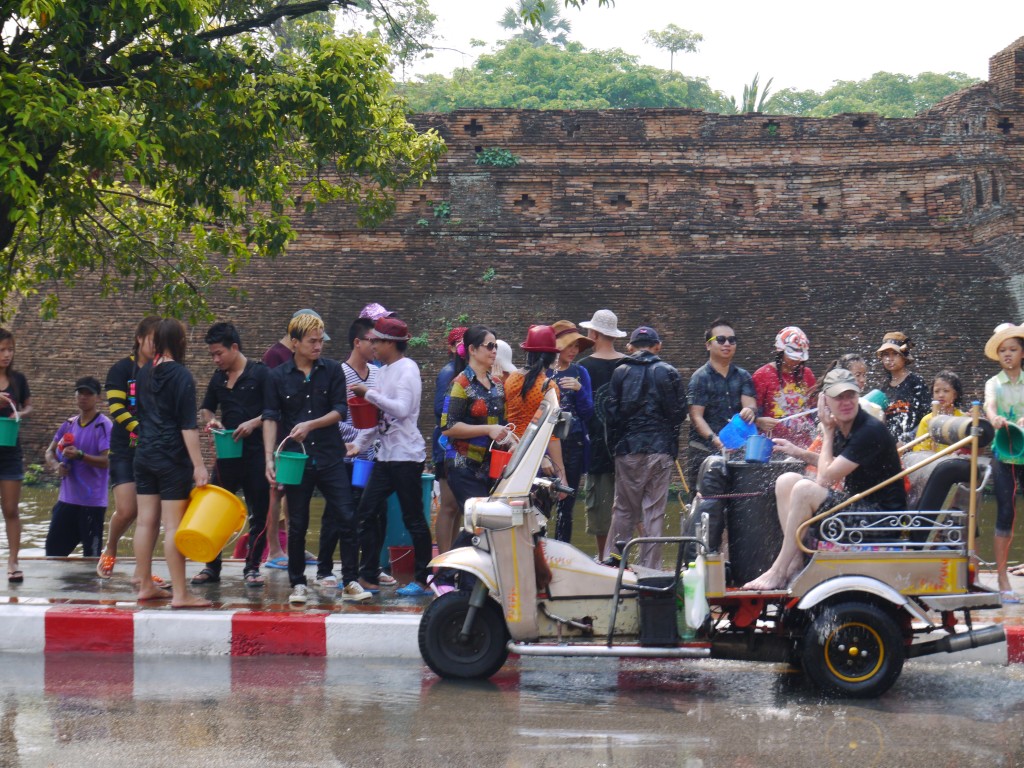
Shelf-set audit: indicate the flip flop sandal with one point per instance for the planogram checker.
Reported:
(15, 577)
(206, 576)
(105, 566)
(253, 579)
(278, 563)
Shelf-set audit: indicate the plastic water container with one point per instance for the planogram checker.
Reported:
(734, 434)
(213, 516)
(759, 449)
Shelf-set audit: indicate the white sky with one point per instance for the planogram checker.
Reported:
(803, 44)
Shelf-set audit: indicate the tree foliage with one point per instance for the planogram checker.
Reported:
(536, 23)
(519, 75)
(674, 39)
(885, 93)
(161, 146)
(750, 101)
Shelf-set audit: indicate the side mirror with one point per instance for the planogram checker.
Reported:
(563, 425)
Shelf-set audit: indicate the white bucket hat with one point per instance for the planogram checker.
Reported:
(604, 321)
(504, 358)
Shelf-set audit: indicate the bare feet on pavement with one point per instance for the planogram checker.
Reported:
(191, 601)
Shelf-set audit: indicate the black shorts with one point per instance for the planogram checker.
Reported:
(171, 482)
(122, 469)
(11, 464)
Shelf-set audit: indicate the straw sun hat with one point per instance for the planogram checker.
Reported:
(1001, 333)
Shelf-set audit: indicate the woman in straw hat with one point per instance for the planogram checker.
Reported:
(906, 392)
(1004, 407)
(577, 398)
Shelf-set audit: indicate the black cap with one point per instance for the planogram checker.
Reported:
(88, 383)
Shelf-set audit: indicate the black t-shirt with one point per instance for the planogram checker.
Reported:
(239, 403)
(289, 398)
(873, 449)
(167, 405)
(122, 402)
(601, 458)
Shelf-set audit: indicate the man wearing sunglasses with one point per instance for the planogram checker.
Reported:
(718, 390)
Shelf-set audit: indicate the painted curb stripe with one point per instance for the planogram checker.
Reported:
(265, 634)
(101, 630)
(1014, 645)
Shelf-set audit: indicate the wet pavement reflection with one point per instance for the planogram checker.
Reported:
(75, 710)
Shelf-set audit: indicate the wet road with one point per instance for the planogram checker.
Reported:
(266, 712)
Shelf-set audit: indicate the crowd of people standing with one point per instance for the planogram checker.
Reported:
(621, 452)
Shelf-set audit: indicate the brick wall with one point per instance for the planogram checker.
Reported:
(848, 227)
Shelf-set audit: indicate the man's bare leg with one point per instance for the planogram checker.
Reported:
(803, 500)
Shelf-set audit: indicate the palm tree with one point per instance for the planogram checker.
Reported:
(750, 101)
(537, 23)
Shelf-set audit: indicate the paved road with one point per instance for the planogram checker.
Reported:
(292, 712)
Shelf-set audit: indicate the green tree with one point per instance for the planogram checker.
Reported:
(537, 23)
(750, 102)
(161, 146)
(674, 39)
(884, 93)
(520, 76)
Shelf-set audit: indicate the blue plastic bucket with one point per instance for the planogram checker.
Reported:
(735, 433)
(361, 469)
(759, 449)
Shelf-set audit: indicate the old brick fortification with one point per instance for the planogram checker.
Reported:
(848, 227)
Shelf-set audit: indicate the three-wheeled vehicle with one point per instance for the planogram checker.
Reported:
(882, 587)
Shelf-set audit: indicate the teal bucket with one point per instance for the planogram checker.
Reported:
(289, 465)
(1009, 442)
(9, 432)
(225, 444)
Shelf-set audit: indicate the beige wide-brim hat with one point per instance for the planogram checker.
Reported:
(999, 335)
(604, 321)
(566, 335)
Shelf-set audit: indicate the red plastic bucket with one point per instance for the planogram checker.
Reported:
(499, 460)
(364, 414)
(403, 563)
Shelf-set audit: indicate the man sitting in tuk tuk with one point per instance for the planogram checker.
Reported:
(855, 448)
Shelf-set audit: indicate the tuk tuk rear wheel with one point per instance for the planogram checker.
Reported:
(480, 656)
(853, 649)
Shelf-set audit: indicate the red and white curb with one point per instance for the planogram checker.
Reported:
(56, 629)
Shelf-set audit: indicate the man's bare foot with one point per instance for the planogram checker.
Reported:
(157, 582)
(768, 581)
(152, 593)
(191, 601)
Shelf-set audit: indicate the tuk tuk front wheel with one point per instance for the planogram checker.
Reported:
(853, 649)
(480, 656)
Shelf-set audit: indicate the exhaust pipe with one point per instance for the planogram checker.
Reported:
(961, 641)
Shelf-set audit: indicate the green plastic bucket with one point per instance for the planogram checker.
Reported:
(1009, 442)
(8, 432)
(225, 444)
(290, 465)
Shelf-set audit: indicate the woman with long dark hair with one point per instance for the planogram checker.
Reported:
(473, 416)
(14, 395)
(447, 524)
(167, 461)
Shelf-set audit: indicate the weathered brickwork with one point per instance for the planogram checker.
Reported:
(848, 227)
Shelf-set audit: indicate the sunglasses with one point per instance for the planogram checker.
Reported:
(723, 339)
(490, 346)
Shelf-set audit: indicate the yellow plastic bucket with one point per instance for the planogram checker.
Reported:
(225, 444)
(213, 516)
(289, 466)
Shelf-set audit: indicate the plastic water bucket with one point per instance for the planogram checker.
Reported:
(364, 414)
(1009, 442)
(225, 444)
(9, 429)
(361, 469)
(213, 516)
(735, 433)
(499, 460)
(759, 449)
(290, 465)
(877, 397)
(403, 563)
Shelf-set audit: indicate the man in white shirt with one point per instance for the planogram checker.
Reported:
(398, 464)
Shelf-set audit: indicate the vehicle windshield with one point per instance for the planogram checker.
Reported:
(528, 437)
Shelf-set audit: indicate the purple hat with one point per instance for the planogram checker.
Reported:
(375, 311)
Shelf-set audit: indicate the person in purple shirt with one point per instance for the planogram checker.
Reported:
(78, 453)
